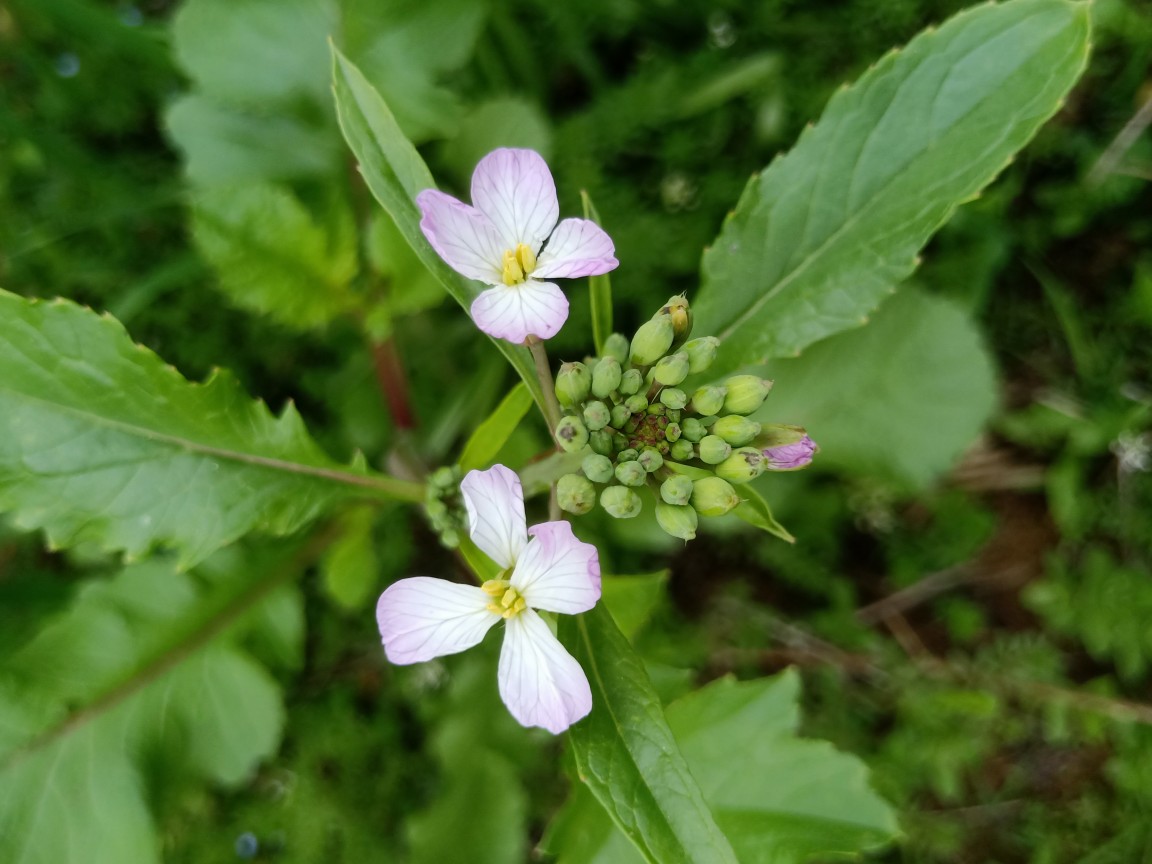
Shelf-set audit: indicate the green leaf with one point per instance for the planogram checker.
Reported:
(141, 678)
(599, 289)
(755, 511)
(780, 799)
(627, 756)
(408, 286)
(350, 566)
(900, 398)
(395, 173)
(271, 255)
(495, 431)
(632, 599)
(829, 229)
(101, 441)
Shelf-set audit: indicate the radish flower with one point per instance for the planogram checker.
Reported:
(543, 567)
(509, 239)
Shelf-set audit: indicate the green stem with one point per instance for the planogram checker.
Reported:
(550, 408)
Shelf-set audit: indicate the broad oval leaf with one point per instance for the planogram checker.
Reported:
(101, 441)
(627, 757)
(832, 227)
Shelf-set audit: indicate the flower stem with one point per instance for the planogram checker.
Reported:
(551, 407)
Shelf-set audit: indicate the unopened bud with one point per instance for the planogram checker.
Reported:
(682, 450)
(736, 430)
(673, 398)
(572, 434)
(573, 382)
(743, 466)
(745, 393)
(692, 429)
(708, 400)
(713, 496)
(701, 352)
(652, 340)
(672, 433)
(637, 403)
(620, 502)
(791, 457)
(616, 345)
(673, 415)
(656, 409)
(631, 382)
(679, 521)
(575, 494)
(678, 310)
(606, 377)
(677, 489)
(649, 459)
(714, 449)
(596, 415)
(627, 455)
(618, 416)
(671, 370)
(631, 473)
(597, 468)
(601, 442)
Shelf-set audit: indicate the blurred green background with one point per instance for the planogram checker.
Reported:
(970, 615)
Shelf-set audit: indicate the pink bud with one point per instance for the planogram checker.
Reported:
(790, 457)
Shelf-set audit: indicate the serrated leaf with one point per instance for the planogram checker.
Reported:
(140, 678)
(395, 173)
(497, 428)
(780, 799)
(830, 228)
(271, 255)
(101, 441)
(626, 754)
(900, 398)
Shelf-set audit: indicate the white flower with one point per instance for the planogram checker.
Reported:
(544, 567)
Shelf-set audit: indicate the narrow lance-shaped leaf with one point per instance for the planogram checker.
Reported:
(599, 289)
(395, 173)
(101, 441)
(627, 756)
(832, 227)
(495, 431)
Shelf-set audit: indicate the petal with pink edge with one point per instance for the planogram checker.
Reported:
(515, 312)
(514, 188)
(462, 236)
(576, 248)
(556, 571)
(540, 682)
(494, 500)
(421, 618)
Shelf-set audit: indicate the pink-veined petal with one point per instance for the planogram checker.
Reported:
(514, 188)
(462, 236)
(576, 248)
(540, 682)
(494, 500)
(515, 312)
(421, 618)
(556, 571)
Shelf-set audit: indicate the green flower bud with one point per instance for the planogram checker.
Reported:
(678, 310)
(745, 393)
(714, 449)
(616, 346)
(743, 466)
(596, 415)
(606, 377)
(672, 433)
(673, 415)
(673, 398)
(656, 410)
(637, 403)
(692, 429)
(701, 352)
(679, 521)
(671, 370)
(620, 502)
(620, 415)
(627, 455)
(631, 473)
(575, 494)
(736, 430)
(708, 400)
(682, 450)
(444, 478)
(572, 434)
(619, 442)
(601, 442)
(713, 496)
(649, 459)
(652, 340)
(597, 468)
(677, 490)
(631, 382)
(779, 435)
(573, 382)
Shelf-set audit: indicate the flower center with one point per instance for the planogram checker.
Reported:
(506, 600)
(518, 263)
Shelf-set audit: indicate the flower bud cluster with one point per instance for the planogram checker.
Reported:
(643, 429)
(443, 505)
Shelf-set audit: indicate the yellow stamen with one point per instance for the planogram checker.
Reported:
(494, 587)
(507, 602)
(518, 263)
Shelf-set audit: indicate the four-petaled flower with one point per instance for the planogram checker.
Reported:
(510, 240)
(421, 618)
